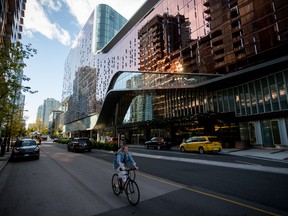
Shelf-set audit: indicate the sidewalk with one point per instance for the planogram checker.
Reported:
(271, 154)
(4, 159)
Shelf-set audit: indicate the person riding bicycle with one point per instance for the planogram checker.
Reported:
(122, 158)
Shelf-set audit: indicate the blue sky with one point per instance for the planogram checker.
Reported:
(51, 26)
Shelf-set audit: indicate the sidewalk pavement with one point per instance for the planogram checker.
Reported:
(272, 154)
(280, 155)
(4, 159)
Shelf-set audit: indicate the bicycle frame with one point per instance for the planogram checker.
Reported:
(130, 186)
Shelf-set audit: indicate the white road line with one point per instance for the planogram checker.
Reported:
(244, 162)
(277, 170)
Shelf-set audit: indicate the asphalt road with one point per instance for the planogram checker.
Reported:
(67, 183)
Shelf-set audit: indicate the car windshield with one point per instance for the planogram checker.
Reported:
(157, 139)
(25, 143)
(82, 141)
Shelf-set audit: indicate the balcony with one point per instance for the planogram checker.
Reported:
(207, 17)
(12, 5)
(219, 58)
(206, 3)
(10, 18)
(8, 29)
(207, 11)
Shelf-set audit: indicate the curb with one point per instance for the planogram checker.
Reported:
(4, 159)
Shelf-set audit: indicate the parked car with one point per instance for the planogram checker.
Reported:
(25, 148)
(79, 144)
(201, 144)
(158, 143)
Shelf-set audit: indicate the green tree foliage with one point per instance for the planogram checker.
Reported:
(12, 56)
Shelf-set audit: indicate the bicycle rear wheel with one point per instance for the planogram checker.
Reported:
(132, 192)
(116, 184)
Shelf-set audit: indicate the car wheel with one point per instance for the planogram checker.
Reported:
(146, 146)
(68, 148)
(182, 149)
(158, 147)
(201, 150)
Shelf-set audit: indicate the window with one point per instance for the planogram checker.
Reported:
(266, 94)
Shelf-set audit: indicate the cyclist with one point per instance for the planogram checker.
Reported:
(121, 159)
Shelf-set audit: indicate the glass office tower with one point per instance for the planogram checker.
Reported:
(107, 22)
(81, 75)
(242, 42)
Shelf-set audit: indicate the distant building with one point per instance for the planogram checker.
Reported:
(44, 110)
(54, 126)
(40, 112)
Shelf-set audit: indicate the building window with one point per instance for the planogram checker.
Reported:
(259, 96)
(247, 99)
(266, 94)
(253, 100)
(282, 89)
(274, 93)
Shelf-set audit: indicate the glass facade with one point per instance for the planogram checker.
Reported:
(80, 75)
(191, 37)
(107, 22)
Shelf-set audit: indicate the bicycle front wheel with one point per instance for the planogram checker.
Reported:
(116, 185)
(132, 192)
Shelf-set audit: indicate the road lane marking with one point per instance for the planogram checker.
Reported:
(244, 162)
(207, 194)
(277, 170)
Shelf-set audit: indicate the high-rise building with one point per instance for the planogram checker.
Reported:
(179, 68)
(44, 110)
(80, 76)
(40, 112)
(107, 22)
(11, 19)
(11, 25)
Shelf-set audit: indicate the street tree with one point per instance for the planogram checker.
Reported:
(12, 56)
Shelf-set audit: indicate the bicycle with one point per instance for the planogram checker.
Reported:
(130, 186)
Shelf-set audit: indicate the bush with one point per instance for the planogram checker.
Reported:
(63, 140)
(106, 146)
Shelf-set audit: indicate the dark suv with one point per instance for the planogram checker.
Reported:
(25, 148)
(158, 143)
(79, 144)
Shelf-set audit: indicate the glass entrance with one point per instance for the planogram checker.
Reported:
(271, 133)
(252, 134)
(275, 132)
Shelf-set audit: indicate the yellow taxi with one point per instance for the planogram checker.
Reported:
(201, 144)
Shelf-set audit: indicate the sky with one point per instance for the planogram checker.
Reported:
(51, 27)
